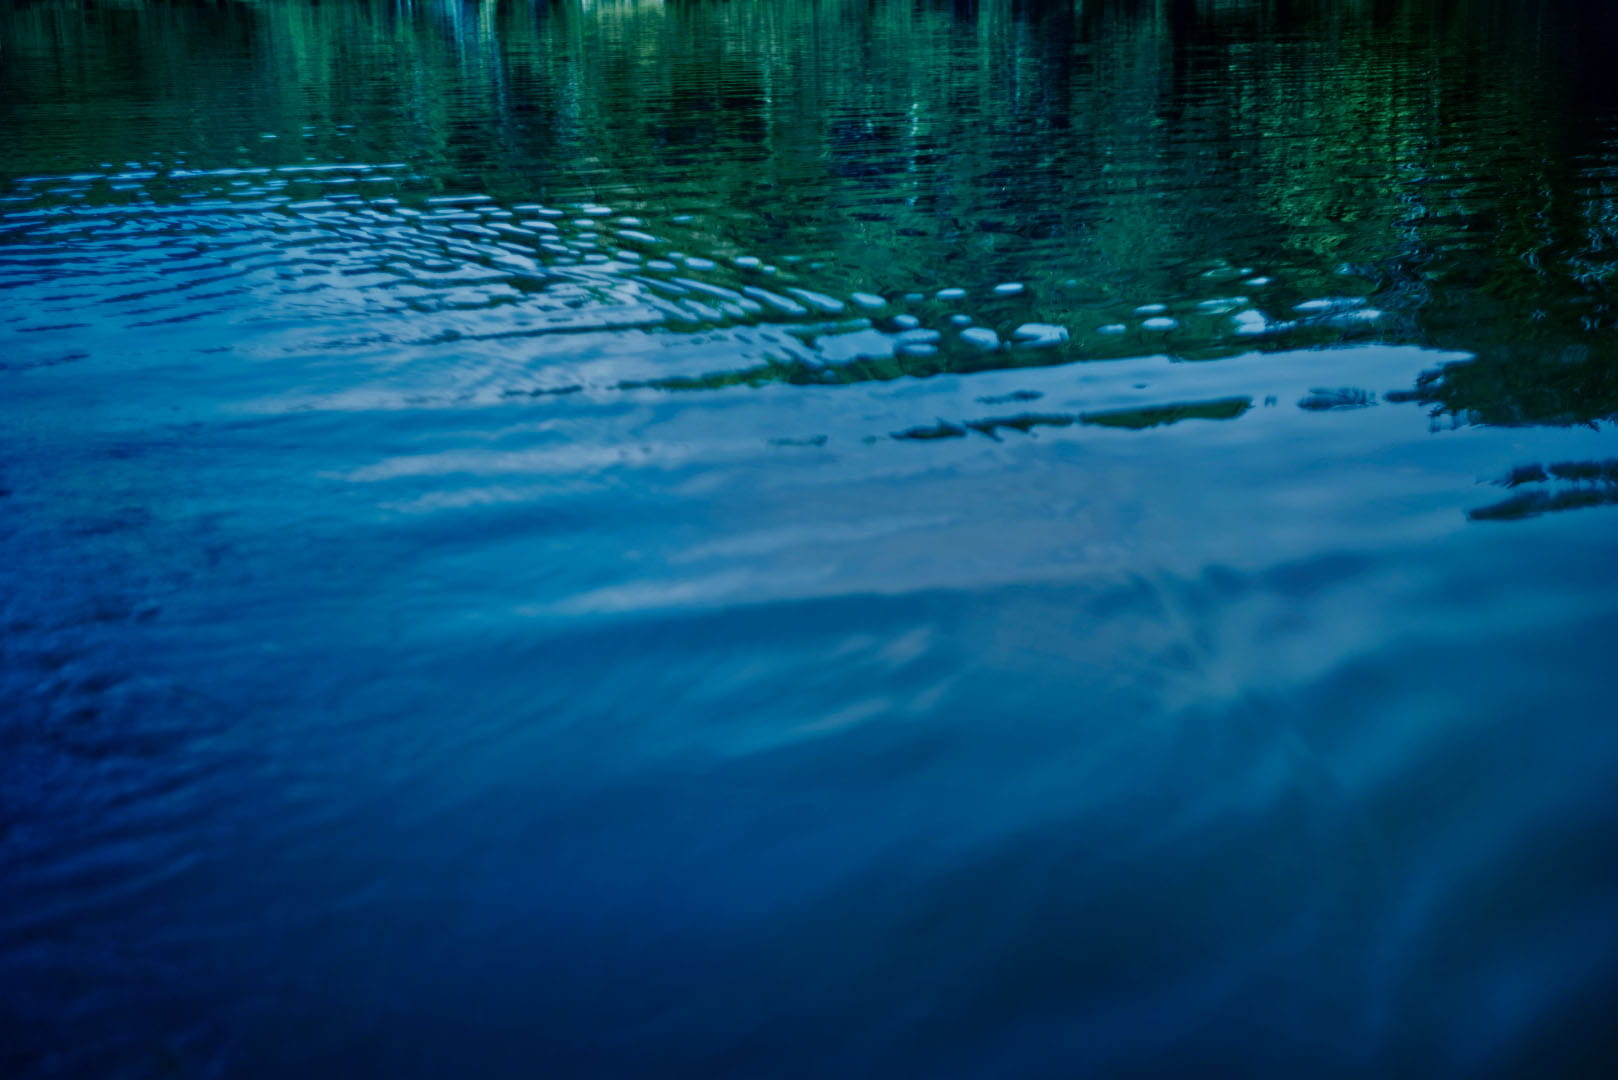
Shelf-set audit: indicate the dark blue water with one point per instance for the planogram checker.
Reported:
(515, 562)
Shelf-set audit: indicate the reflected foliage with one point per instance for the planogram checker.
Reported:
(1156, 416)
(1449, 168)
(1567, 485)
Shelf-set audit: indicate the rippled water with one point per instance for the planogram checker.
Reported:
(773, 539)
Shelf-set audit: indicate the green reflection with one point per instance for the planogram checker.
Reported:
(1451, 169)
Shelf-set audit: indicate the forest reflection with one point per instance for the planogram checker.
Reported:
(1451, 168)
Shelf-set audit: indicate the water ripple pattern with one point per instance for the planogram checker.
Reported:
(784, 539)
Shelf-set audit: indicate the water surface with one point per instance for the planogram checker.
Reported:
(807, 539)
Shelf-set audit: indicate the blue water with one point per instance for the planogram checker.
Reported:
(493, 583)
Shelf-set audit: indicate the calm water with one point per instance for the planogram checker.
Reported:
(516, 561)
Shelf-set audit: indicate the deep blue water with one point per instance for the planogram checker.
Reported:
(509, 566)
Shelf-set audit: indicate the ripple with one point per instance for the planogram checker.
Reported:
(422, 271)
(728, 505)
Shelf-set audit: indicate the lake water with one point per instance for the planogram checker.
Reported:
(808, 539)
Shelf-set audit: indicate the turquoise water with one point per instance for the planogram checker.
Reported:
(807, 539)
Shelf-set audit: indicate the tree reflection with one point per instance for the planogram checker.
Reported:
(1453, 165)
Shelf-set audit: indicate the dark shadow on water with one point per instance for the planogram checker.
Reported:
(1566, 485)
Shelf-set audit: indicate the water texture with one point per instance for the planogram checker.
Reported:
(788, 539)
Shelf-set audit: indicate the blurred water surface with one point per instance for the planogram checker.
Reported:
(776, 539)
